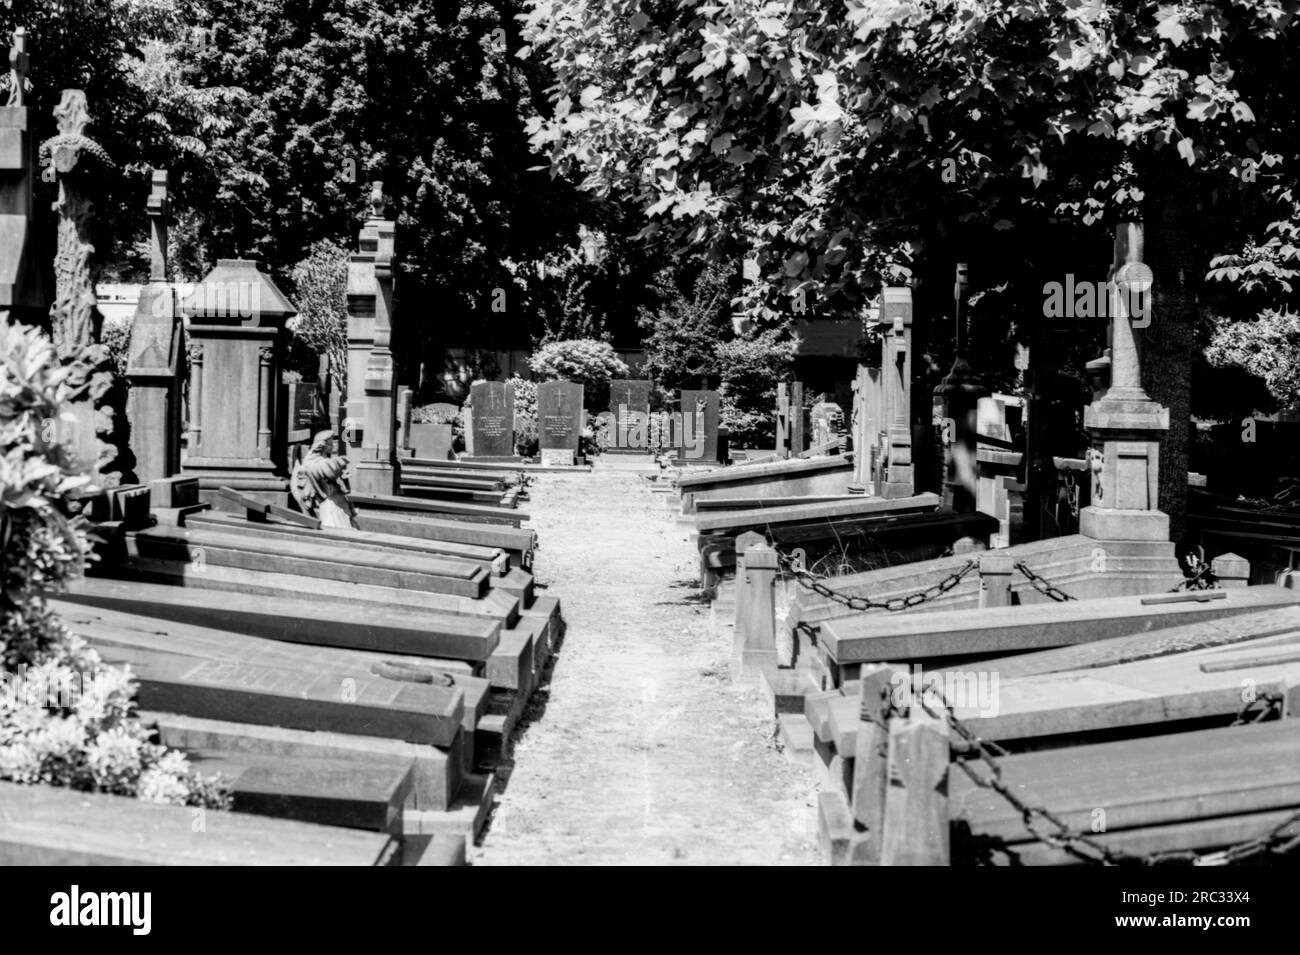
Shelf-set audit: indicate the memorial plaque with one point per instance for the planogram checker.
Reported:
(698, 443)
(629, 403)
(559, 420)
(492, 419)
(432, 441)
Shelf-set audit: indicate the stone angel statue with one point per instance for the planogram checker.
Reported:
(319, 487)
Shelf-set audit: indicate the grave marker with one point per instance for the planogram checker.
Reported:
(699, 432)
(153, 355)
(492, 420)
(1125, 426)
(20, 284)
(629, 403)
(559, 421)
(236, 351)
(372, 413)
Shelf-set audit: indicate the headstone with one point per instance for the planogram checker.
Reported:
(1125, 425)
(431, 440)
(559, 420)
(404, 399)
(699, 432)
(826, 418)
(20, 286)
(371, 434)
(492, 419)
(896, 317)
(629, 403)
(236, 352)
(153, 356)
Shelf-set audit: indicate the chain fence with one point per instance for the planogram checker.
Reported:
(1048, 828)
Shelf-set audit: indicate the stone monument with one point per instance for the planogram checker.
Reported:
(559, 421)
(97, 433)
(21, 294)
(236, 351)
(700, 415)
(371, 428)
(492, 421)
(153, 356)
(896, 317)
(1124, 424)
(629, 403)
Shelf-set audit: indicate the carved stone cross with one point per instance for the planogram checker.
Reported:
(159, 208)
(18, 64)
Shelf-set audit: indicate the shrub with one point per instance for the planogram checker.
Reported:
(584, 360)
(65, 717)
(527, 438)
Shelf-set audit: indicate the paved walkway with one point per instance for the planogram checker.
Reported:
(643, 751)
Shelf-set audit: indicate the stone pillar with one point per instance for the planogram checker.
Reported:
(782, 420)
(370, 433)
(896, 316)
(995, 581)
(957, 402)
(755, 638)
(1231, 570)
(153, 356)
(1125, 425)
(236, 347)
(21, 295)
(404, 447)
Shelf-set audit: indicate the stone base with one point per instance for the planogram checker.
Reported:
(556, 457)
(892, 491)
(493, 458)
(1123, 525)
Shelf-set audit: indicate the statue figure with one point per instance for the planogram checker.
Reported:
(319, 487)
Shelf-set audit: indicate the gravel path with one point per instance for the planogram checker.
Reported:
(641, 750)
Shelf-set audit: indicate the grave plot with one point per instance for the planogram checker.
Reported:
(426, 658)
(1179, 735)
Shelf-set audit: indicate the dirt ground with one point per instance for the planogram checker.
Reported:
(641, 750)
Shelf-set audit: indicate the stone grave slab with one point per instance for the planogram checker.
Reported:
(559, 421)
(492, 419)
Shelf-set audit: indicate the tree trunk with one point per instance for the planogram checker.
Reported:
(1167, 343)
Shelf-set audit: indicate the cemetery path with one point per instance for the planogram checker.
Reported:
(644, 751)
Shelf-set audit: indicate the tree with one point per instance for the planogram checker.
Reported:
(321, 280)
(852, 145)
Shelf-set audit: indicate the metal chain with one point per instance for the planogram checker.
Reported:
(1272, 706)
(810, 581)
(1047, 827)
(1203, 579)
(1043, 585)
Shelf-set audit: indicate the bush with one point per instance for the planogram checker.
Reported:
(527, 437)
(65, 717)
(589, 362)
(750, 369)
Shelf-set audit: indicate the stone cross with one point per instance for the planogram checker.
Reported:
(18, 65)
(1124, 424)
(159, 208)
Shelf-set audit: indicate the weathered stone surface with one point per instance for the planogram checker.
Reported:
(46, 825)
